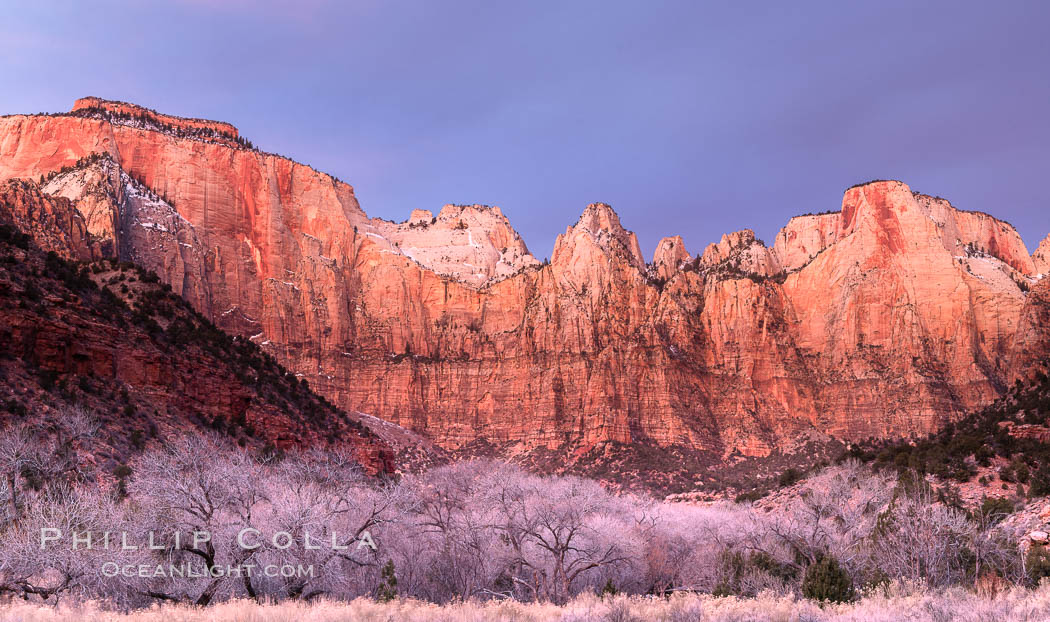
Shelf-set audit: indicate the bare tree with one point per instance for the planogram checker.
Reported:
(918, 537)
(329, 509)
(835, 513)
(562, 530)
(191, 487)
(44, 449)
(456, 549)
(20, 448)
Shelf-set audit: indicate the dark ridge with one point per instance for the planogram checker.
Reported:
(872, 181)
(151, 110)
(112, 304)
(830, 211)
(154, 123)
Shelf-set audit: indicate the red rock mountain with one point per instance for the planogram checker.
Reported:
(885, 318)
(106, 339)
(1041, 256)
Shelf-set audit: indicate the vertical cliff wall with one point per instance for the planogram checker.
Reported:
(887, 317)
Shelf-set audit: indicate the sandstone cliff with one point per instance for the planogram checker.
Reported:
(470, 243)
(670, 256)
(885, 318)
(742, 253)
(53, 222)
(1032, 341)
(105, 338)
(1041, 257)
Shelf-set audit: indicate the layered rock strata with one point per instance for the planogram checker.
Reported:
(885, 318)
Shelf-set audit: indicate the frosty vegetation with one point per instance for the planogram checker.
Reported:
(891, 604)
(474, 531)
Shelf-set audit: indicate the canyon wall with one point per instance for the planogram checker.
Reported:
(111, 343)
(885, 318)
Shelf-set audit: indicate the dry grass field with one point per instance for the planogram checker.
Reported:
(891, 604)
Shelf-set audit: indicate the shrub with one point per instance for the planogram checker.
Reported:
(388, 584)
(15, 407)
(1040, 486)
(827, 581)
(48, 379)
(13, 236)
(1037, 563)
(1020, 470)
(995, 509)
(31, 292)
(789, 477)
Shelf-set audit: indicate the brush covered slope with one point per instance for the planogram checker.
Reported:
(1006, 442)
(887, 318)
(108, 339)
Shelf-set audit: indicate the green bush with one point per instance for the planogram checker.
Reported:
(995, 509)
(388, 584)
(1037, 563)
(827, 581)
(789, 477)
(1021, 472)
(737, 566)
(1040, 483)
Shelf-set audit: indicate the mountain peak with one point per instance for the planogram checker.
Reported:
(669, 256)
(1041, 256)
(474, 244)
(742, 251)
(601, 216)
(600, 222)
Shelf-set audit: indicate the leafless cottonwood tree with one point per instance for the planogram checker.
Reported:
(45, 449)
(19, 449)
(556, 526)
(456, 551)
(834, 514)
(471, 530)
(331, 511)
(919, 538)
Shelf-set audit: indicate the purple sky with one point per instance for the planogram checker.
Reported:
(689, 118)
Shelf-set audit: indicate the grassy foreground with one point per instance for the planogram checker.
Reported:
(893, 604)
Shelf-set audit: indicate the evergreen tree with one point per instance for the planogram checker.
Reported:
(827, 581)
(388, 584)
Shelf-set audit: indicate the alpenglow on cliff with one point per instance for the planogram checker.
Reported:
(886, 318)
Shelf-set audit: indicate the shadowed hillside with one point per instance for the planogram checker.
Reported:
(109, 340)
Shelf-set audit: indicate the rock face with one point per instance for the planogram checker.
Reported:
(130, 222)
(1041, 257)
(471, 243)
(55, 225)
(88, 339)
(741, 252)
(804, 237)
(898, 307)
(888, 317)
(670, 256)
(1032, 341)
